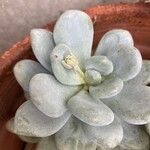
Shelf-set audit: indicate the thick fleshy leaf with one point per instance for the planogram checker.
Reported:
(144, 76)
(29, 139)
(72, 137)
(47, 143)
(113, 38)
(90, 110)
(127, 62)
(120, 148)
(110, 87)
(92, 77)
(132, 104)
(42, 44)
(107, 137)
(49, 95)
(99, 63)
(29, 121)
(134, 137)
(75, 29)
(24, 70)
(148, 128)
(63, 74)
(10, 127)
(29, 146)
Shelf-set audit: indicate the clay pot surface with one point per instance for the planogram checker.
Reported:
(133, 17)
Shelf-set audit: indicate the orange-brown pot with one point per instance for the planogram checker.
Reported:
(133, 17)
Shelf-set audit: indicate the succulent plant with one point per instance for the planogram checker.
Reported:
(76, 101)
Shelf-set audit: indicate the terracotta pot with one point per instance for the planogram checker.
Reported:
(133, 17)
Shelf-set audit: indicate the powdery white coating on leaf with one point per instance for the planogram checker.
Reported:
(90, 110)
(75, 29)
(107, 137)
(127, 61)
(144, 76)
(112, 39)
(49, 95)
(24, 70)
(10, 127)
(72, 136)
(99, 63)
(47, 143)
(64, 75)
(134, 137)
(132, 104)
(42, 44)
(110, 87)
(29, 121)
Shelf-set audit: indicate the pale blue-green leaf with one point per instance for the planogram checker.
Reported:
(10, 128)
(49, 95)
(99, 63)
(127, 61)
(106, 137)
(148, 128)
(113, 38)
(90, 110)
(24, 70)
(29, 121)
(72, 137)
(75, 29)
(144, 76)
(47, 143)
(118, 148)
(132, 104)
(42, 44)
(92, 77)
(134, 137)
(63, 74)
(110, 87)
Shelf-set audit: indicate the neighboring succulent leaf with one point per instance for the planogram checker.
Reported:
(63, 74)
(90, 110)
(75, 29)
(132, 104)
(29, 146)
(10, 127)
(112, 39)
(92, 77)
(29, 121)
(99, 63)
(24, 70)
(49, 95)
(110, 87)
(148, 128)
(144, 76)
(42, 44)
(120, 148)
(127, 62)
(47, 143)
(106, 137)
(134, 137)
(116, 148)
(72, 137)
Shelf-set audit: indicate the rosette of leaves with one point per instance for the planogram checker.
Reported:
(85, 102)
